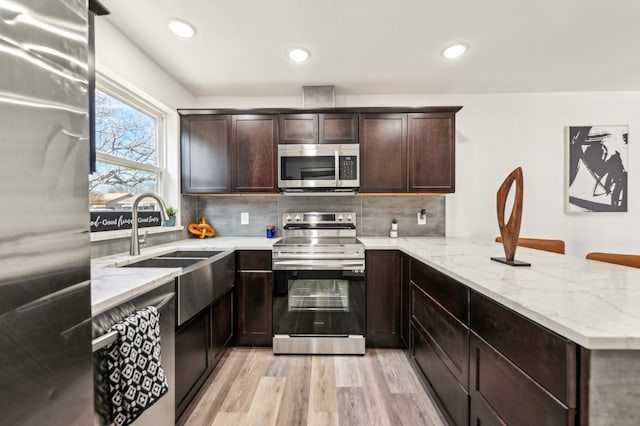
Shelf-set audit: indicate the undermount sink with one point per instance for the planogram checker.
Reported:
(168, 262)
(190, 254)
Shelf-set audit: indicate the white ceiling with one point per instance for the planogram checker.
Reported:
(389, 46)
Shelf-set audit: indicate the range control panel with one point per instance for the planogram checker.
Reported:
(315, 218)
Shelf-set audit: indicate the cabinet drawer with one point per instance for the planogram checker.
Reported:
(253, 260)
(449, 293)
(514, 397)
(449, 333)
(451, 395)
(542, 354)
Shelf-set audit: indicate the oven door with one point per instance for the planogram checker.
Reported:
(319, 302)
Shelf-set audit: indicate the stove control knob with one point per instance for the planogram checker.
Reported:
(297, 218)
(339, 218)
(287, 218)
(349, 218)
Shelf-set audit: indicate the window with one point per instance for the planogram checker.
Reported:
(129, 142)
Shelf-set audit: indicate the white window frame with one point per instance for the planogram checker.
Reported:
(167, 189)
(129, 97)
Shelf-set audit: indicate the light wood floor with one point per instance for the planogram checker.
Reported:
(255, 387)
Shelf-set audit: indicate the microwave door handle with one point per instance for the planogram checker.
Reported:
(337, 167)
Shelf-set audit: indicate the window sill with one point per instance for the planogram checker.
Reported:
(126, 233)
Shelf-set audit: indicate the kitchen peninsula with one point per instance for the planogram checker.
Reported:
(593, 307)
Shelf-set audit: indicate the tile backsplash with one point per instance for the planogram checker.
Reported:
(121, 245)
(374, 213)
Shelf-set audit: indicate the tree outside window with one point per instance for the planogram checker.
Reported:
(126, 153)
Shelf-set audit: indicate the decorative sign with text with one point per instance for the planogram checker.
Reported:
(112, 221)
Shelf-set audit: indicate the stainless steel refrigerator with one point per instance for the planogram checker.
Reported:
(45, 307)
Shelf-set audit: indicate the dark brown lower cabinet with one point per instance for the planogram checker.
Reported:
(452, 397)
(450, 335)
(383, 298)
(405, 299)
(502, 394)
(193, 358)
(254, 284)
(550, 359)
(221, 325)
(486, 364)
(440, 347)
(254, 309)
(200, 344)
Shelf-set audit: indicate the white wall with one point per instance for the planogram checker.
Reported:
(123, 62)
(495, 134)
(498, 132)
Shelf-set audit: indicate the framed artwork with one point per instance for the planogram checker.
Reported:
(597, 165)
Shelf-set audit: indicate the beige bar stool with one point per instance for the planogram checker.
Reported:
(556, 246)
(619, 259)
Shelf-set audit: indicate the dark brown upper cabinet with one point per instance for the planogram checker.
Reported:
(338, 128)
(205, 152)
(401, 149)
(431, 152)
(407, 152)
(318, 128)
(383, 152)
(298, 128)
(254, 147)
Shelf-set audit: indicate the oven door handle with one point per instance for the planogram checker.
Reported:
(337, 166)
(288, 265)
(303, 257)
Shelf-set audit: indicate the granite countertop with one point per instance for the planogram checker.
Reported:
(594, 304)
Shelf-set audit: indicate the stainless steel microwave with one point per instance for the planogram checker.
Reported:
(319, 167)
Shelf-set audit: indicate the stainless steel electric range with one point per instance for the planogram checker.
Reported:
(319, 289)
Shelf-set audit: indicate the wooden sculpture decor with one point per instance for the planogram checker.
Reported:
(202, 229)
(511, 229)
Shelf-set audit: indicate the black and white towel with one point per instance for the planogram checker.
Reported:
(135, 375)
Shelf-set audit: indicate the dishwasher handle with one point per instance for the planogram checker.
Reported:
(110, 337)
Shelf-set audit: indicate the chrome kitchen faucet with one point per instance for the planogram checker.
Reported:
(135, 243)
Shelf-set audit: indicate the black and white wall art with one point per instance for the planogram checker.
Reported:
(597, 165)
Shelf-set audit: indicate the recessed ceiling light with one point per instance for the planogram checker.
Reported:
(181, 28)
(298, 54)
(454, 51)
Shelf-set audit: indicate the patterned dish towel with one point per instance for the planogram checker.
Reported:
(136, 378)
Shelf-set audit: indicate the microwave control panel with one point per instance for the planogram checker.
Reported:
(348, 167)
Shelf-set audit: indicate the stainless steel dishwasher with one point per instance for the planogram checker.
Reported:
(163, 298)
